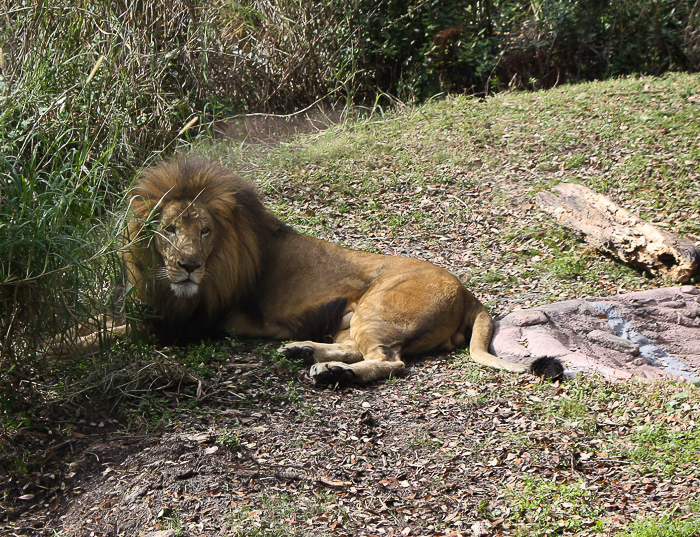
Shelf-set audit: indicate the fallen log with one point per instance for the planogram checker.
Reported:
(610, 228)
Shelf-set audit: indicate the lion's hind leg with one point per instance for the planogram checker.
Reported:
(333, 363)
(344, 362)
(382, 363)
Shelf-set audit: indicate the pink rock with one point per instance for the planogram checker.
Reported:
(528, 317)
(506, 343)
(611, 341)
(541, 343)
(577, 331)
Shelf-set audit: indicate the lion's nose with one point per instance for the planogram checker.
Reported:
(189, 267)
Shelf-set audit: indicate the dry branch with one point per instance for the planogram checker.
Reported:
(611, 228)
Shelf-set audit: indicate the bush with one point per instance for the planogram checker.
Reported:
(560, 41)
(423, 47)
(419, 48)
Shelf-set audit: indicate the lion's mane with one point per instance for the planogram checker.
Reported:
(243, 227)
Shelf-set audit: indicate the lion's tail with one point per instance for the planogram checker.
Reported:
(482, 331)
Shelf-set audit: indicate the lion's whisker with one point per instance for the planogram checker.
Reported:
(161, 273)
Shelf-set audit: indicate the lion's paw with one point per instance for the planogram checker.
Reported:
(332, 373)
(296, 351)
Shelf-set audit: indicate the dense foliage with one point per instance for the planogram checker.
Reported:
(423, 47)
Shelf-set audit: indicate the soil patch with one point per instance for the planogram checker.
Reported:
(432, 454)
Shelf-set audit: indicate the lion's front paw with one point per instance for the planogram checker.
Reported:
(332, 373)
(297, 351)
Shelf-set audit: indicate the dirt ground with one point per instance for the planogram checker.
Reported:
(264, 452)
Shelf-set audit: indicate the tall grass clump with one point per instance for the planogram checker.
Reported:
(88, 93)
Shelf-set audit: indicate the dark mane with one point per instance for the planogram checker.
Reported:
(195, 178)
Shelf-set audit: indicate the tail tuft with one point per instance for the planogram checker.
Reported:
(548, 368)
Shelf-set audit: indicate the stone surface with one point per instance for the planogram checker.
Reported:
(529, 317)
(611, 341)
(645, 334)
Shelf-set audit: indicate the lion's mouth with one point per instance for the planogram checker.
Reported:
(185, 288)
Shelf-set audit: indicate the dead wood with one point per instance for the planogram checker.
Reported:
(611, 228)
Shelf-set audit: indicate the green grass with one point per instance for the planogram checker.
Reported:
(541, 506)
(665, 526)
(665, 449)
(284, 514)
(468, 170)
(199, 358)
(649, 429)
(229, 438)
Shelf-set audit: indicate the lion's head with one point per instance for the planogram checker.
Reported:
(184, 239)
(197, 238)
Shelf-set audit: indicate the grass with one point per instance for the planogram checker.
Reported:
(284, 515)
(78, 117)
(229, 438)
(543, 506)
(199, 358)
(664, 448)
(649, 430)
(666, 526)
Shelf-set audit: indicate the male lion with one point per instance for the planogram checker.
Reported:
(208, 257)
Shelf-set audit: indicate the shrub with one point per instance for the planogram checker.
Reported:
(423, 47)
(560, 41)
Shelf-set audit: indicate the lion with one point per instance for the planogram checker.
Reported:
(208, 258)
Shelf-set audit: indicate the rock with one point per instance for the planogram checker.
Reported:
(645, 334)
(611, 341)
(507, 343)
(675, 304)
(528, 317)
(541, 343)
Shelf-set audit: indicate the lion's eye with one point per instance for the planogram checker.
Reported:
(170, 229)
(205, 231)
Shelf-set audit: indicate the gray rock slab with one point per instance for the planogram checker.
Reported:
(645, 334)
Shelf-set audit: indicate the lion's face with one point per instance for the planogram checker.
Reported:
(184, 239)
